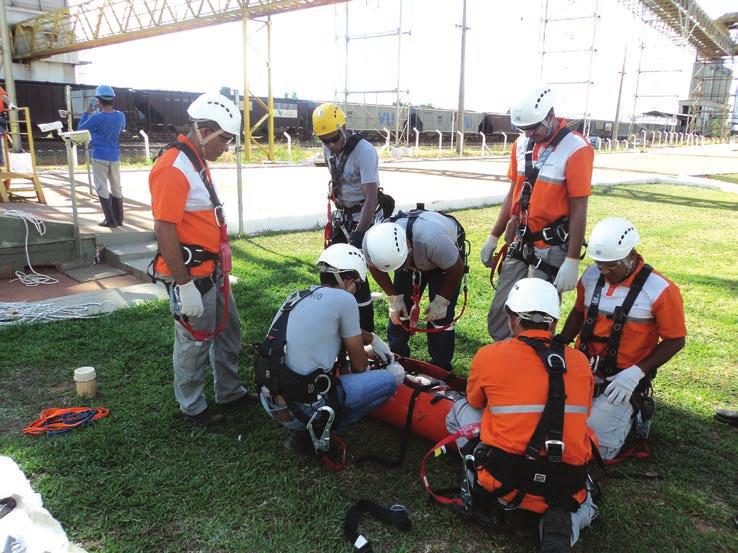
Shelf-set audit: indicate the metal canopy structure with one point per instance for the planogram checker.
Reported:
(686, 23)
(102, 22)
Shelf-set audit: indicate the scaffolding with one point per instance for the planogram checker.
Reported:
(577, 62)
(683, 22)
(370, 114)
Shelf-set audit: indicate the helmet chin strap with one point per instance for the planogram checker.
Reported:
(204, 141)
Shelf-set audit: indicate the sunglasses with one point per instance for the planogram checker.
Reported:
(227, 139)
(529, 128)
(332, 139)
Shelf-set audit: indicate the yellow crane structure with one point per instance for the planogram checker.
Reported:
(103, 22)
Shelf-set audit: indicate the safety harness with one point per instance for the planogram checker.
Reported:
(194, 255)
(464, 247)
(536, 473)
(555, 234)
(271, 371)
(642, 397)
(342, 217)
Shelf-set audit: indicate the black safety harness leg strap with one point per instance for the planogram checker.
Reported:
(397, 515)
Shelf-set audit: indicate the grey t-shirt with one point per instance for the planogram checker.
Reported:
(434, 241)
(316, 326)
(362, 167)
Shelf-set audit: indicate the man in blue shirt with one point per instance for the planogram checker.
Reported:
(105, 127)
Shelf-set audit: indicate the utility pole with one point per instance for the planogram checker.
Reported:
(616, 123)
(460, 115)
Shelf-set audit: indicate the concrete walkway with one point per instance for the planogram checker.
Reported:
(293, 197)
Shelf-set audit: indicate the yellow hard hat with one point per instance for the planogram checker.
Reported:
(328, 118)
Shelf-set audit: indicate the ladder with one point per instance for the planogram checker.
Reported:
(18, 170)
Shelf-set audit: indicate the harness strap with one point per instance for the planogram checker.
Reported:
(461, 244)
(337, 168)
(619, 317)
(549, 432)
(397, 515)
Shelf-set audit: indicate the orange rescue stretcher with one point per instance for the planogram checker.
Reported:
(427, 395)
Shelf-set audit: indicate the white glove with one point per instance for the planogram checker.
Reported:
(437, 308)
(190, 299)
(488, 250)
(623, 384)
(12, 106)
(568, 275)
(378, 348)
(397, 308)
(397, 371)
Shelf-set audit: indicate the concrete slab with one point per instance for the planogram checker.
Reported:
(291, 197)
(94, 272)
(103, 301)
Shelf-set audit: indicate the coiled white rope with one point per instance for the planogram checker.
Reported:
(33, 278)
(25, 312)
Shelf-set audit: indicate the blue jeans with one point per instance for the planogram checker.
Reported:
(440, 345)
(359, 394)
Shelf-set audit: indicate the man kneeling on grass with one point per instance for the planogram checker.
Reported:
(630, 321)
(294, 367)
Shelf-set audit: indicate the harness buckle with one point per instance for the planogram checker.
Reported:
(556, 361)
(555, 450)
(538, 262)
(545, 234)
(321, 444)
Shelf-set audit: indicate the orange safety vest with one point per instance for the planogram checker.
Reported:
(511, 382)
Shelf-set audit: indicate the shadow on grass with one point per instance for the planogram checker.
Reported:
(659, 198)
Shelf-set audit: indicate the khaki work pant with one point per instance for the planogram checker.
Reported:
(105, 172)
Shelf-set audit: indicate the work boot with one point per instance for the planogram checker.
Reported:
(246, 400)
(299, 442)
(117, 209)
(107, 209)
(205, 418)
(556, 531)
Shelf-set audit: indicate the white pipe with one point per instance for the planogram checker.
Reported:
(440, 140)
(289, 145)
(453, 126)
(681, 138)
(484, 143)
(461, 143)
(702, 140)
(417, 138)
(659, 133)
(653, 138)
(631, 141)
(644, 137)
(609, 143)
(146, 144)
(386, 140)
(504, 142)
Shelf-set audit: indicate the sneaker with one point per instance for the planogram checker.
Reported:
(299, 442)
(205, 418)
(556, 531)
(249, 398)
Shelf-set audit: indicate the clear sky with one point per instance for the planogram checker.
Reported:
(503, 55)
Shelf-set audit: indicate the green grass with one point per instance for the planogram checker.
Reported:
(142, 480)
(727, 177)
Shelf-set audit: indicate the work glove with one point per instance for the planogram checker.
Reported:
(437, 309)
(397, 371)
(397, 308)
(378, 348)
(356, 239)
(190, 299)
(568, 275)
(623, 384)
(12, 106)
(488, 250)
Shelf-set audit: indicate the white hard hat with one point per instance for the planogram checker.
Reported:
(530, 295)
(341, 258)
(612, 239)
(386, 245)
(217, 108)
(533, 108)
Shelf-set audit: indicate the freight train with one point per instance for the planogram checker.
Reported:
(162, 113)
